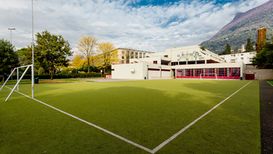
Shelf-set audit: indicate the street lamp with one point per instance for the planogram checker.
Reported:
(11, 29)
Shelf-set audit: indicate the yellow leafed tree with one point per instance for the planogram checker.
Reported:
(86, 46)
(78, 61)
(108, 54)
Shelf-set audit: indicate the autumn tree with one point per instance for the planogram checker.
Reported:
(86, 46)
(106, 50)
(77, 61)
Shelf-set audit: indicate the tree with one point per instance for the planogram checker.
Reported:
(264, 59)
(78, 61)
(86, 46)
(106, 49)
(8, 57)
(52, 52)
(227, 50)
(24, 55)
(203, 48)
(249, 46)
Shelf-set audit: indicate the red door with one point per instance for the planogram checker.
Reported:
(250, 76)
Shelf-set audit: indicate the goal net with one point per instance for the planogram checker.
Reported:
(208, 76)
(19, 76)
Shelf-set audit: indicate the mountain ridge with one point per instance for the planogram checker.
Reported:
(244, 25)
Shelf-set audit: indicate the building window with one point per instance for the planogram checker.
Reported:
(222, 72)
(166, 56)
(154, 62)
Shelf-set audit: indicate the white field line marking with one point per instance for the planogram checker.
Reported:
(89, 123)
(195, 121)
(270, 83)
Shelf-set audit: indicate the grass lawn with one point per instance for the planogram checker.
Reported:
(145, 112)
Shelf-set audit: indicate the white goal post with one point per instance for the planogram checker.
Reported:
(18, 79)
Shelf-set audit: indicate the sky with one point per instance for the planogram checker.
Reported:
(153, 25)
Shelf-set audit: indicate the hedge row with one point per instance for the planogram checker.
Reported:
(64, 76)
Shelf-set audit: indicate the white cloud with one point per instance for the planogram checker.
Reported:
(146, 27)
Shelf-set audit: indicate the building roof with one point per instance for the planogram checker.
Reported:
(130, 49)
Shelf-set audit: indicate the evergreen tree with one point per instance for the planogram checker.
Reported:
(249, 46)
(227, 50)
(264, 59)
(203, 48)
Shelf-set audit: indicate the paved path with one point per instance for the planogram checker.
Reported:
(266, 99)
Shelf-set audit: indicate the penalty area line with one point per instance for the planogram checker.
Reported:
(88, 123)
(196, 120)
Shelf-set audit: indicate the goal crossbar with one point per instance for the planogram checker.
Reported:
(11, 75)
(18, 79)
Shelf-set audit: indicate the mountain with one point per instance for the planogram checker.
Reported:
(243, 26)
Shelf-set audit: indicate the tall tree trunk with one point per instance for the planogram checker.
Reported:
(51, 73)
(92, 61)
(88, 64)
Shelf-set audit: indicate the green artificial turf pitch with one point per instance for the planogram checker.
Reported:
(145, 112)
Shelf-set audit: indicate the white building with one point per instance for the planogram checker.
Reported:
(245, 57)
(125, 54)
(185, 62)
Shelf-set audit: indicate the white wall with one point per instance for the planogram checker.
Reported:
(153, 74)
(136, 71)
(166, 74)
(139, 71)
